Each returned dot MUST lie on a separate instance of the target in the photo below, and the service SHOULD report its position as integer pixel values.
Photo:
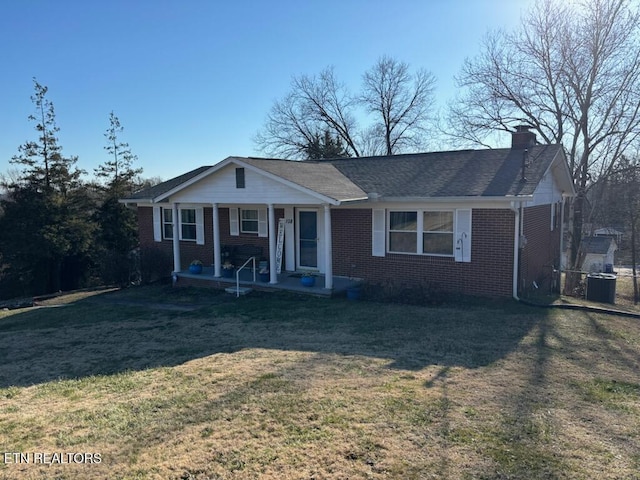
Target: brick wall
(489, 273)
(242, 238)
(541, 254)
(190, 250)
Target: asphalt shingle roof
(463, 173)
(159, 189)
(323, 178)
(597, 245)
(491, 172)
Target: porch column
(176, 238)
(217, 254)
(273, 234)
(328, 250)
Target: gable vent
(239, 177)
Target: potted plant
(227, 270)
(308, 279)
(195, 267)
(354, 292)
(263, 274)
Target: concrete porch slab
(287, 281)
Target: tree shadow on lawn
(109, 333)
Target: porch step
(241, 290)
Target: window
(403, 228)
(239, 177)
(167, 223)
(421, 232)
(188, 224)
(249, 221)
(437, 233)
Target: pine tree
(118, 173)
(118, 230)
(46, 232)
(326, 147)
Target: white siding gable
(547, 191)
(220, 187)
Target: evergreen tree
(326, 147)
(46, 233)
(118, 230)
(118, 173)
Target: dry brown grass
(280, 387)
(624, 290)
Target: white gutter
(463, 199)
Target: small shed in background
(599, 252)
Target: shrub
(116, 268)
(394, 291)
(155, 265)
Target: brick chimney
(522, 138)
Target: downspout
(561, 231)
(516, 249)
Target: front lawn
(155, 383)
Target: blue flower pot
(227, 272)
(353, 293)
(308, 281)
(196, 269)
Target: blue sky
(192, 81)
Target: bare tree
(314, 105)
(620, 194)
(398, 102)
(401, 103)
(572, 71)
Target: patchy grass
(280, 386)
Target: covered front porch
(286, 281)
(259, 204)
(294, 241)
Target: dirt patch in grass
(278, 386)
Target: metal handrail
(250, 259)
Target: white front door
(309, 238)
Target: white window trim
(452, 232)
(159, 224)
(163, 223)
(419, 231)
(195, 224)
(257, 220)
(389, 231)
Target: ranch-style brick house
(478, 222)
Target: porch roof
(322, 178)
